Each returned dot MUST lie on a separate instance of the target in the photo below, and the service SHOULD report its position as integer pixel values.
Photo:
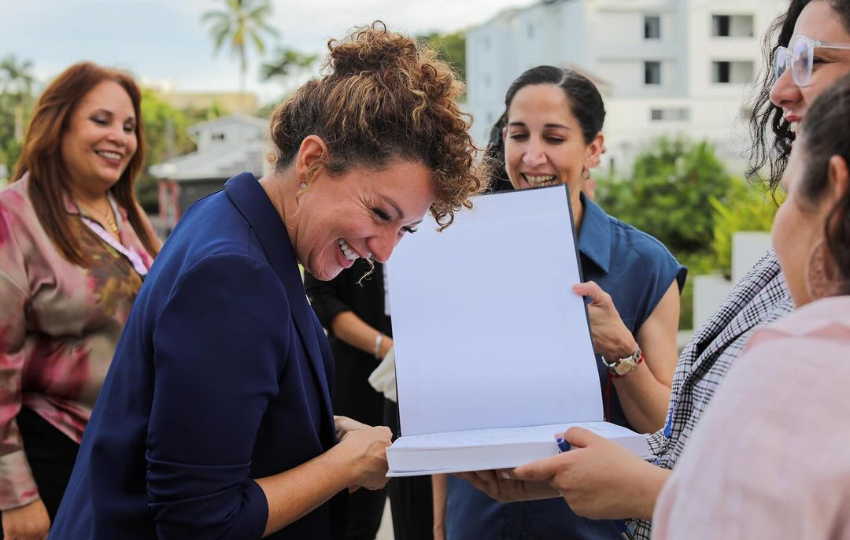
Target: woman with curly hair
(216, 420)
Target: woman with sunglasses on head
(768, 459)
(609, 482)
(551, 134)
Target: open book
(493, 349)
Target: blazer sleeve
(17, 486)
(220, 344)
(325, 299)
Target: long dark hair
(584, 100)
(771, 134)
(49, 180)
(823, 136)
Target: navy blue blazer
(221, 376)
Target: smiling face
(100, 139)
(361, 213)
(544, 144)
(819, 22)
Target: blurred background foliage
(681, 193)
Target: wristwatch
(624, 366)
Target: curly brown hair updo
(824, 134)
(384, 97)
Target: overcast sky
(163, 41)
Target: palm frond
(220, 38)
(258, 41)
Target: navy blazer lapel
(251, 200)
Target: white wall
(234, 133)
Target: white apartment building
(665, 67)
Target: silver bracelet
(378, 340)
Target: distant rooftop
(226, 146)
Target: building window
(740, 26)
(652, 73)
(720, 25)
(670, 115)
(652, 27)
(732, 72)
(721, 72)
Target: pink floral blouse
(59, 325)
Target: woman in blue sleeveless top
(551, 133)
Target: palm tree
(240, 23)
(17, 82)
(287, 65)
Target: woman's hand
(504, 487)
(598, 478)
(367, 448)
(611, 338)
(344, 424)
(28, 522)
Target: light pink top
(771, 457)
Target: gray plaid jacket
(759, 298)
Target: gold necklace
(108, 216)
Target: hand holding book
(598, 478)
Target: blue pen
(563, 446)
(624, 530)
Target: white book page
(487, 331)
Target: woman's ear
(838, 177)
(594, 151)
(312, 152)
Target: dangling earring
(819, 274)
(585, 173)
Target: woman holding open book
(215, 420)
(551, 133)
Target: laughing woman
(216, 420)
(551, 133)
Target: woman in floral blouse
(74, 249)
